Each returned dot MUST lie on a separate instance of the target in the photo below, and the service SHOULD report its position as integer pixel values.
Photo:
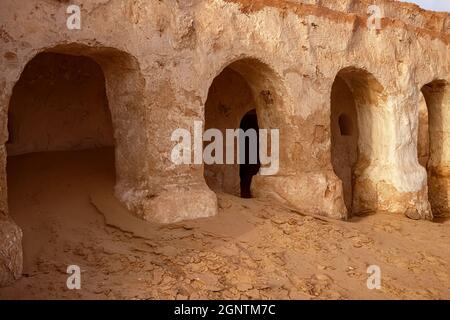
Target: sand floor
(253, 249)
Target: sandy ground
(253, 249)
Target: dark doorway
(249, 168)
(433, 141)
(61, 144)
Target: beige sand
(253, 249)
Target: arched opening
(434, 143)
(61, 143)
(423, 140)
(251, 165)
(344, 141)
(242, 97)
(354, 95)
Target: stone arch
(59, 103)
(124, 85)
(356, 131)
(243, 85)
(434, 142)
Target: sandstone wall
(159, 59)
(59, 103)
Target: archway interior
(249, 168)
(344, 136)
(233, 102)
(59, 103)
(60, 144)
(434, 143)
(356, 121)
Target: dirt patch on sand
(253, 249)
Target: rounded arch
(264, 78)
(59, 103)
(356, 133)
(124, 86)
(243, 85)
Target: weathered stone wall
(159, 59)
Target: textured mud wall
(159, 59)
(59, 103)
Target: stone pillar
(390, 177)
(437, 96)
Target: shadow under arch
(356, 135)
(124, 84)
